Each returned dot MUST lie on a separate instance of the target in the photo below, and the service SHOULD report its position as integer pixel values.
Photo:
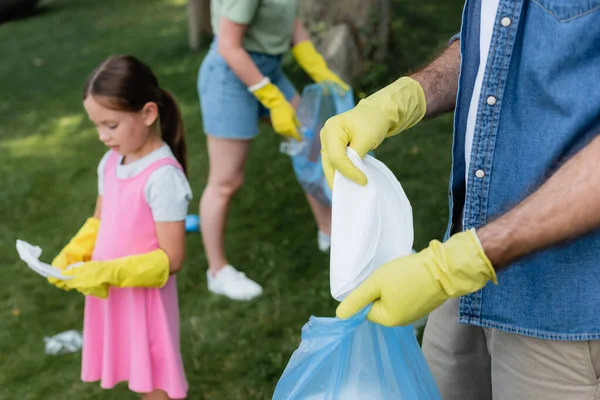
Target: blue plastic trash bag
(356, 359)
(318, 103)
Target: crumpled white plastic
(65, 342)
(31, 254)
(370, 225)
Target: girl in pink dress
(134, 244)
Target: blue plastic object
(356, 359)
(192, 223)
(318, 103)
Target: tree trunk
(383, 30)
(348, 32)
(199, 26)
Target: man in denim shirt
(516, 285)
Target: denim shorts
(229, 110)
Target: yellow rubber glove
(283, 115)
(80, 247)
(408, 288)
(149, 270)
(385, 113)
(314, 65)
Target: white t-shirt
(489, 8)
(167, 190)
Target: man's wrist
(499, 241)
(428, 79)
(439, 81)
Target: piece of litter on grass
(65, 342)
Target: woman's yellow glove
(385, 113)
(80, 247)
(149, 270)
(283, 115)
(314, 65)
(408, 288)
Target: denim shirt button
(480, 173)
(506, 22)
(491, 100)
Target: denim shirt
(539, 105)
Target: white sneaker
(324, 241)
(233, 284)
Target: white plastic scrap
(65, 342)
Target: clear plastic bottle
(291, 146)
(307, 109)
(318, 103)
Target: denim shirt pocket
(568, 10)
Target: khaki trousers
(474, 363)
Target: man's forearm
(563, 208)
(440, 81)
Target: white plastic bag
(31, 254)
(370, 226)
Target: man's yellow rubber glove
(408, 288)
(80, 247)
(385, 113)
(283, 115)
(314, 65)
(149, 270)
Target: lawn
(48, 158)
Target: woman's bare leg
(227, 159)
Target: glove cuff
(403, 102)
(263, 82)
(269, 95)
(307, 56)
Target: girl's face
(123, 131)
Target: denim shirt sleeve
(454, 39)
(539, 104)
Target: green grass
(48, 158)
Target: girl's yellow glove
(149, 270)
(80, 247)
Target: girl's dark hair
(128, 84)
